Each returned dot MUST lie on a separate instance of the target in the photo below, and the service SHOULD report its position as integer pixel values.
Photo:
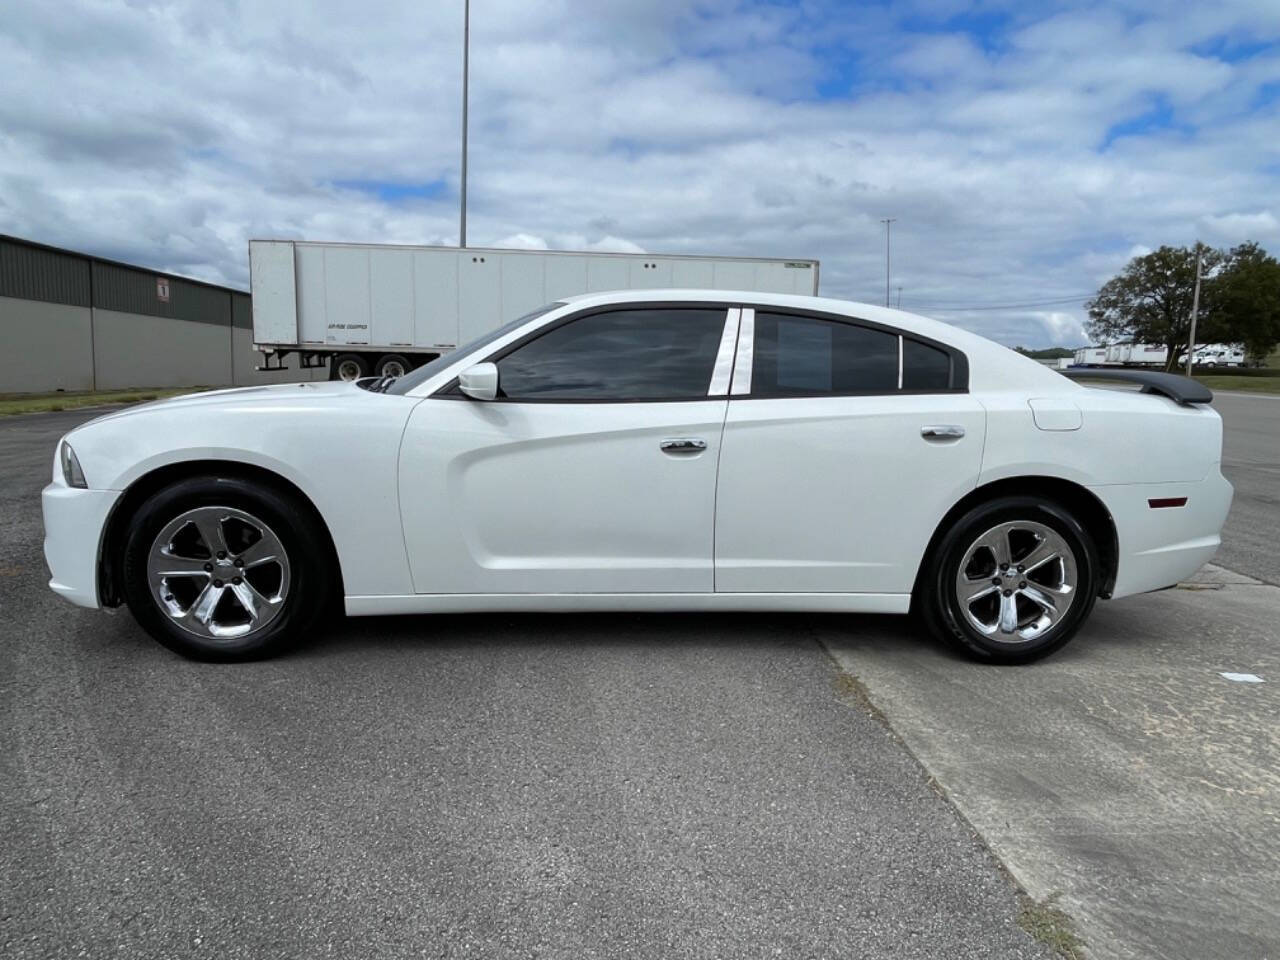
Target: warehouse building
(70, 321)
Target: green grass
(11, 403)
(1049, 925)
(1226, 381)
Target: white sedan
(649, 450)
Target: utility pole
(1195, 309)
(887, 221)
(466, 66)
(899, 298)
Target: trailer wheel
(348, 366)
(393, 365)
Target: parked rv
(1219, 355)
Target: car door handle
(942, 431)
(683, 445)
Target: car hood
(289, 392)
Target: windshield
(429, 370)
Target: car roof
(901, 319)
(991, 364)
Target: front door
(593, 472)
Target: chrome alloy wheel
(1017, 581)
(218, 572)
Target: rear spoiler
(1178, 388)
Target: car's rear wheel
(225, 569)
(1011, 581)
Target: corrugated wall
(127, 290)
(125, 330)
(35, 273)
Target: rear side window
(924, 367)
(642, 354)
(801, 356)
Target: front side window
(808, 356)
(427, 370)
(640, 354)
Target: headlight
(71, 471)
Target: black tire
(938, 603)
(393, 365)
(311, 586)
(343, 363)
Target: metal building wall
(74, 322)
(38, 273)
(44, 346)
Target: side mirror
(479, 382)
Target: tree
(1244, 300)
(1150, 300)
(1048, 353)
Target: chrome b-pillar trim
(723, 369)
(746, 347)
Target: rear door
(844, 445)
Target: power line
(1057, 301)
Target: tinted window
(620, 355)
(427, 370)
(803, 355)
(924, 367)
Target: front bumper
(74, 520)
(1163, 545)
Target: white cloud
(170, 133)
(523, 241)
(1062, 329)
(1237, 227)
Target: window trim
(451, 390)
(958, 378)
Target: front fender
(340, 452)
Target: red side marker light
(1155, 503)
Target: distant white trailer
(1091, 356)
(1135, 355)
(372, 308)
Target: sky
(1025, 150)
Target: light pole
(888, 222)
(1195, 309)
(466, 50)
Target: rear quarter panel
(1124, 437)
(1129, 448)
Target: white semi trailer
(379, 309)
(1091, 356)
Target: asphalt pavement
(1251, 461)
(509, 786)
(644, 786)
(1126, 774)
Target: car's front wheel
(1011, 581)
(225, 569)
